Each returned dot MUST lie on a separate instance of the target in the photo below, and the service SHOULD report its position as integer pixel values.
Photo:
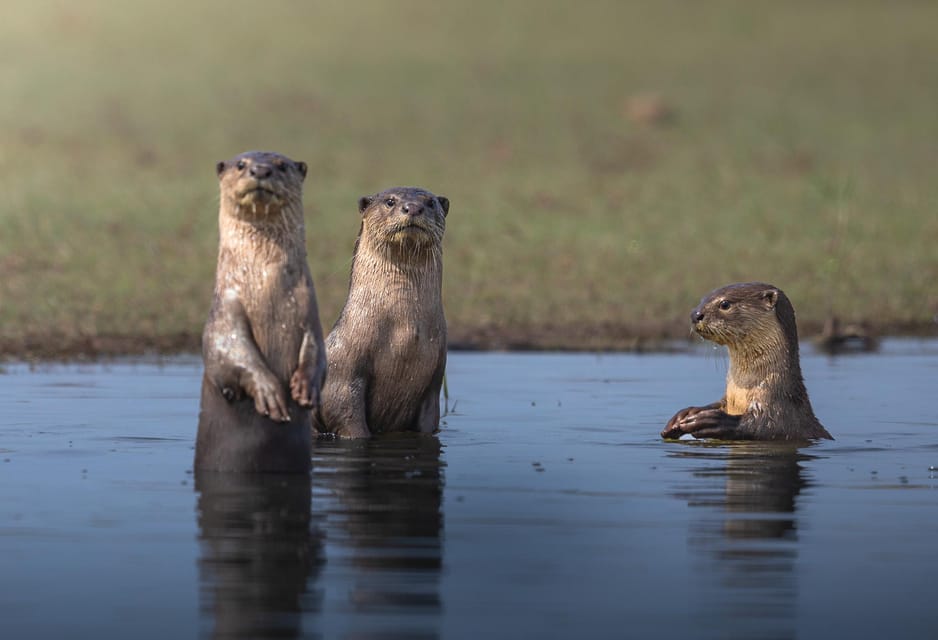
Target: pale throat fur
(767, 359)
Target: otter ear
(771, 297)
(364, 202)
(220, 168)
(444, 203)
(301, 167)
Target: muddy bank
(625, 337)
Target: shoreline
(577, 338)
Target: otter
(387, 351)
(262, 344)
(765, 394)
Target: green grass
(803, 153)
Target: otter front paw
(304, 389)
(673, 428)
(269, 399)
(703, 422)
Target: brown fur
(387, 351)
(765, 394)
(262, 344)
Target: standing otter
(765, 394)
(263, 333)
(387, 351)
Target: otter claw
(303, 389)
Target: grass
(802, 153)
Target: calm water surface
(548, 507)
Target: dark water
(548, 507)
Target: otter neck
(267, 238)
(400, 269)
(760, 364)
(253, 253)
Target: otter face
(261, 183)
(732, 314)
(404, 216)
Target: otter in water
(262, 344)
(765, 394)
(387, 351)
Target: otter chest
(742, 399)
(415, 342)
(737, 399)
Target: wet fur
(765, 394)
(387, 351)
(262, 345)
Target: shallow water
(548, 507)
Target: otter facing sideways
(387, 351)
(765, 394)
(262, 344)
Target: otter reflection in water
(748, 525)
(258, 553)
(381, 502)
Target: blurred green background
(608, 163)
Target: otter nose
(261, 170)
(412, 208)
(696, 316)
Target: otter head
(749, 313)
(260, 184)
(403, 218)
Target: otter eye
(390, 202)
(241, 165)
(725, 304)
(281, 166)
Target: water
(548, 507)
